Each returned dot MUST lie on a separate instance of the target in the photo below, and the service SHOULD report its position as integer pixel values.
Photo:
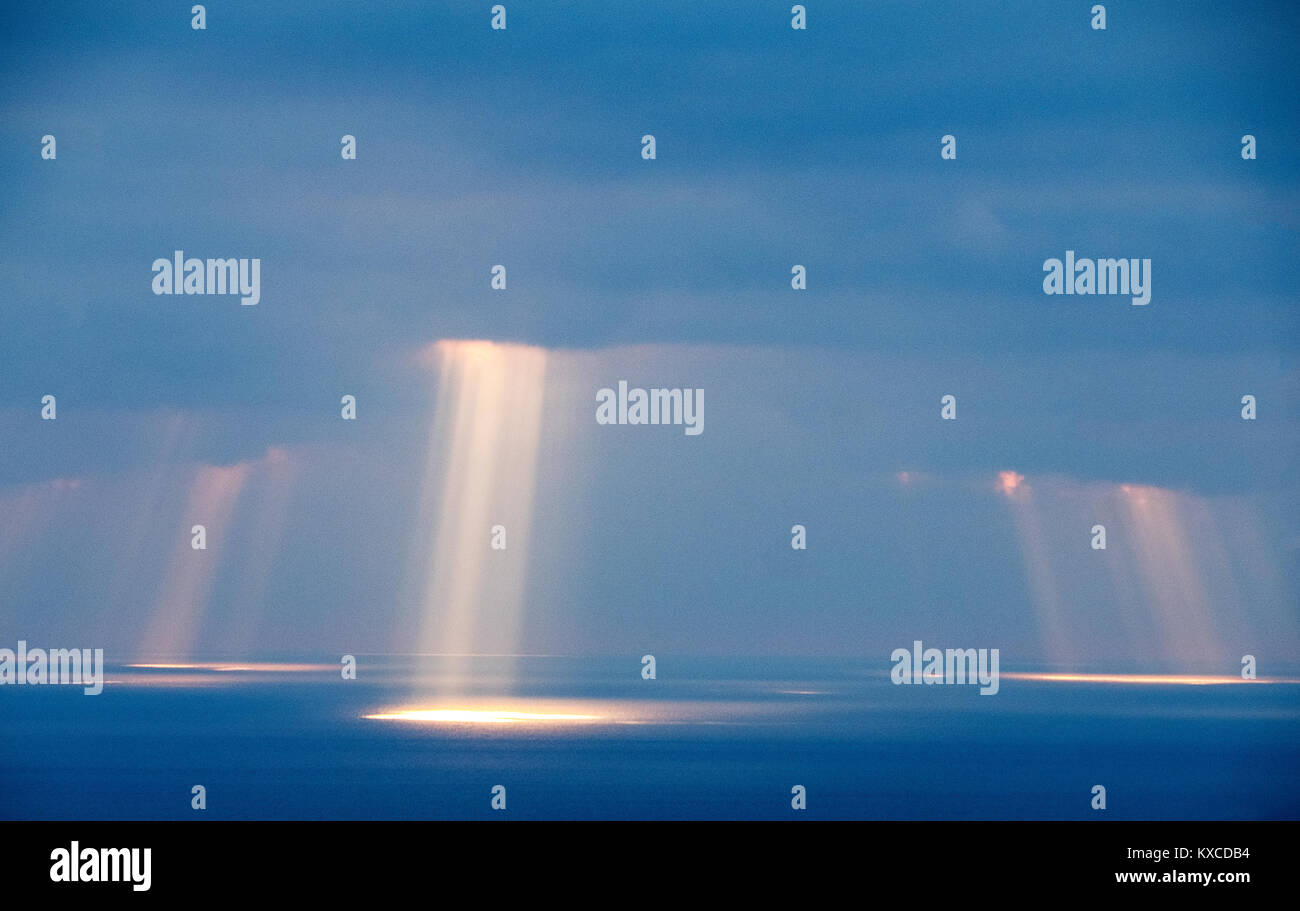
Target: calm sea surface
(710, 738)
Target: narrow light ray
(275, 476)
(182, 597)
(1038, 566)
(1170, 573)
(1171, 577)
(481, 473)
(182, 608)
(148, 493)
(1128, 602)
(28, 515)
(18, 513)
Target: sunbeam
(478, 495)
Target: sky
(775, 147)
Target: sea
(581, 738)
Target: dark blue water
(708, 739)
